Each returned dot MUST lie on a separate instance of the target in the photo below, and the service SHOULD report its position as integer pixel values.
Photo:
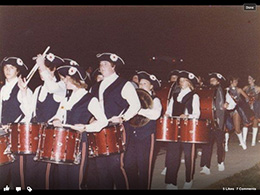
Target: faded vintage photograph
(128, 97)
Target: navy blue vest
(47, 109)
(11, 107)
(179, 107)
(114, 103)
(79, 113)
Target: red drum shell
(5, 157)
(110, 140)
(194, 131)
(24, 137)
(163, 93)
(59, 145)
(167, 129)
(207, 103)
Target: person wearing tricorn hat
(174, 88)
(134, 79)
(252, 90)
(140, 140)
(173, 76)
(185, 104)
(76, 111)
(119, 100)
(15, 98)
(45, 102)
(217, 127)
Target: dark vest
(79, 113)
(47, 109)
(186, 102)
(114, 103)
(11, 107)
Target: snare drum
(167, 129)
(5, 153)
(194, 131)
(59, 145)
(24, 137)
(110, 140)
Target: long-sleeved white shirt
(93, 107)
(195, 104)
(155, 112)
(24, 100)
(128, 93)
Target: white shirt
(93, 107)
(128, 93)
(155, 112)
(195, 104)
(24, 101)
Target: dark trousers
(18, 171)
(138, 162)
(110, 172)
(173, 161)
(35, 173)
(67, 176)
(5, 175)
(219, 137)
(91, 178)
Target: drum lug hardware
(191, 131)
(59, 144)
(8, 150)
(77, 158)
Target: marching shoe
(188, 185)
(240, 138)
(255, 131)
(205, 170)
(221, 167)
(171, 187)
(164, 171)
(226, 148)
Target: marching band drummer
(140, 140)
(217, 132)
(15, 98)
(76, 110)
(175, 88)
(252, 90)
(119, 100)
(185, 104)
(45, 103)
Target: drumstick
(34, 69)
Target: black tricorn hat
(150, 77)
(190, 76)
(111, 57)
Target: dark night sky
(225, 39)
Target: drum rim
(1, 164)
(61, 128)
(27, 123)
(61, 162)
(3, 133)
